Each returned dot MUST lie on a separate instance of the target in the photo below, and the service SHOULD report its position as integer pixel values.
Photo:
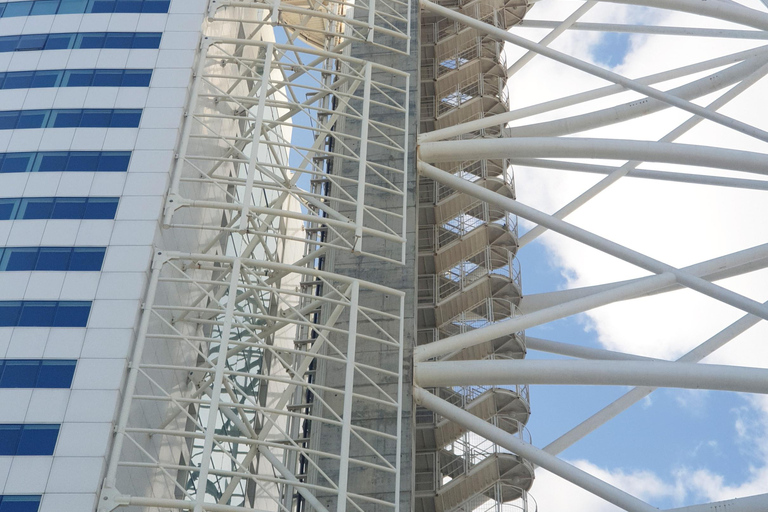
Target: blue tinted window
(8, 43)
(83, 161)
(8, 208)
(101, 208)
(65, 161)
(80, 41)
(16, 503)
(9, 439)
(136, 78)
(17, 9)
(19, 80)
(20, 374)
(107, 78)
(43, 7)
(17, 162)
(94, 118)
(73, 6)
(44, 313)
(87, 259)
(68, 208)
(9, 313)
(32, 119)
(31, 42)
(52, 161)
(147, 40)
(46, 79)
(38, 440)
(80, 259)
(118, 40)
(126, 118)
(128, 5)
(35, 208)
(156, 6)
(9, 119)
(91, 40)
(19, 258)
(60, 208)
(37, 314)
(72, 314)
(56, 374)
(54, 258)
(70, 118)
(66, 118)
(60, 41)
(102, 6)
(114, 161)
(78, 78)
(29, 439)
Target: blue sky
(677, 447)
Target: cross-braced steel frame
(252, 385)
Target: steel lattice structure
(338, 319)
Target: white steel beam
(749, 66)
(722, 267)
(601, 72)
(568, 349)
(559, 28)
(634, 109)
(726, 11)
(649, 29)
(592, 373)
(636, 394)
(614, 149)
(648, 174)
(758, 503)
(549, 462)
(588, 238)
(583, 97)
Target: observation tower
(262, 255)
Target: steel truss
(563, 134)
(222, 395)
(275, 175)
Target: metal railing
(481, 85)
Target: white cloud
(675, 223)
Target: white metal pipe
(593, 240)
(110, 481)
(210, 427)
(582, 97)
(349, 383)
(597, 70)
(567, 349)
(592, 373)
(634, 109)
(636, 394)
(749, 66)
(758, 503)
(727, 11)
(649, 29)
(559, 28)
(614, 149)
(254, 157)
(519, 323)
(362, 168)
(722, 267)
(648, 174)
(549, 462)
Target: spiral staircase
(468, 274)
